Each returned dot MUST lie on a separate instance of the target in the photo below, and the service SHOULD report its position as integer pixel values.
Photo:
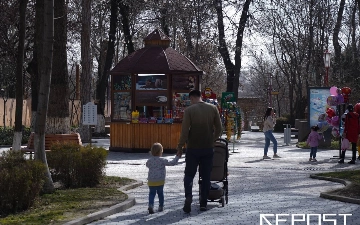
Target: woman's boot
(342, 157)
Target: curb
(336, 197)
(109, 211)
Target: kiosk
(149, 94)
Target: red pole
(326, 81)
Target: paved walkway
(280, 186)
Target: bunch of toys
(331, 117)
(232, 120)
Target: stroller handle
(222, 140)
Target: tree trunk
(337, 47)
(124, 11)
(33, 68)
(223, 49)
(58, 117)
(85, 78)
(358, 6)
(232, 70)
(164, 19)
(19, 78)
(238, 48)
(103, 80)
(45, 52)
(100, 127)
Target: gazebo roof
(156, 57)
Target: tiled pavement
(279, 186)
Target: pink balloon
(333, 91)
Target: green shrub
(76, 166)
(279, 126)
(7, 135)
(93, 162)
(21, 181)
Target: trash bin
(287, 134)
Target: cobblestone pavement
(256, 186)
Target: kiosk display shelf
(149, 90)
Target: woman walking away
(351, 132)
(269, 123)
(313, 142)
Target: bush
(76, 166)
(21, 181)
(279, 126)
(7, 135)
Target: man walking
(201, 126)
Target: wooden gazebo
(153, 81)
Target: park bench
(51, 139)
(295, 132)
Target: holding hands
(179, 152)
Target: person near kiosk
(201, 126)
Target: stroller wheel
(222, 201)
(226, 199)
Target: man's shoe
(151, 210)
(276, 156)
(351, 162)
(203, 208)
(341, 161)
(310, 159)
(314, 160)
(161, 208)
(187, 205)
(266, 157)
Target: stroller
(219, 174)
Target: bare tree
(33, 67)
(232, 69)
(19, 77)
(104, 74)
(337, 47)
(58, 120)
(45, 52)
(86, 64)
(124, 9)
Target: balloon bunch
(322, 123)
(337, 96)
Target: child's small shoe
(314, 160)
(161, 208)
(151, 210)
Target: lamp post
(327, 56)
(270, 89)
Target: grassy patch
(334, 145)
(352, 190)
(68, 204)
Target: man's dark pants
(194, 157)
